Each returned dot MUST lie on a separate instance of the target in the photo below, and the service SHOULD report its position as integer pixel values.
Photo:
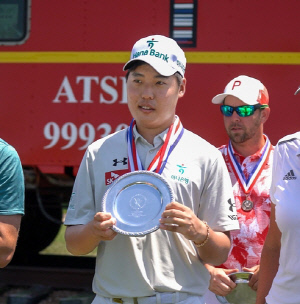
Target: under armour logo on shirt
(116, 161)
(231, 205)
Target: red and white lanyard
(248, 184)
(157, 165)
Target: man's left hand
(179, 218)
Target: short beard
(238, 138)
(247, 134)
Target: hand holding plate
(179, 218)
(220, 283)
(101, 226)
(242, 293)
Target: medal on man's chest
(247, 205)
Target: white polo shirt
(162, 261)
(285, 194)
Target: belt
(159, 298)
(122, 300)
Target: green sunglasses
(242, 111)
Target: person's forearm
(6, 253)
(9, 231)
(269, 259)
(268, 269)
(215, 251)
(80, 240)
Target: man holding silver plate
(248, 156)
(154, 198)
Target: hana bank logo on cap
(162, 53)
(249, 90)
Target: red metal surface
(31, 116)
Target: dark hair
(132, 66)
(135, 64)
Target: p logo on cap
(249, 90)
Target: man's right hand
(101, 226)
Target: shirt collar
(158, 139)
(254, 156)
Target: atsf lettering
(85, 89)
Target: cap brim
(298, 91)
(162, 69)
(218, 99)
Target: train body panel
(64, 87)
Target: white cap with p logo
(249, 90)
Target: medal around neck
(136, 200)
(242, 293)
(247, 205)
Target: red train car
(62, 84)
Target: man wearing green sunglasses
(248, 156)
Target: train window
(183, 22)
(14, 21)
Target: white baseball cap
(249, 90)
(162, 53)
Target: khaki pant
(159, 298)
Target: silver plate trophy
(137, 200)
(242, 294)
